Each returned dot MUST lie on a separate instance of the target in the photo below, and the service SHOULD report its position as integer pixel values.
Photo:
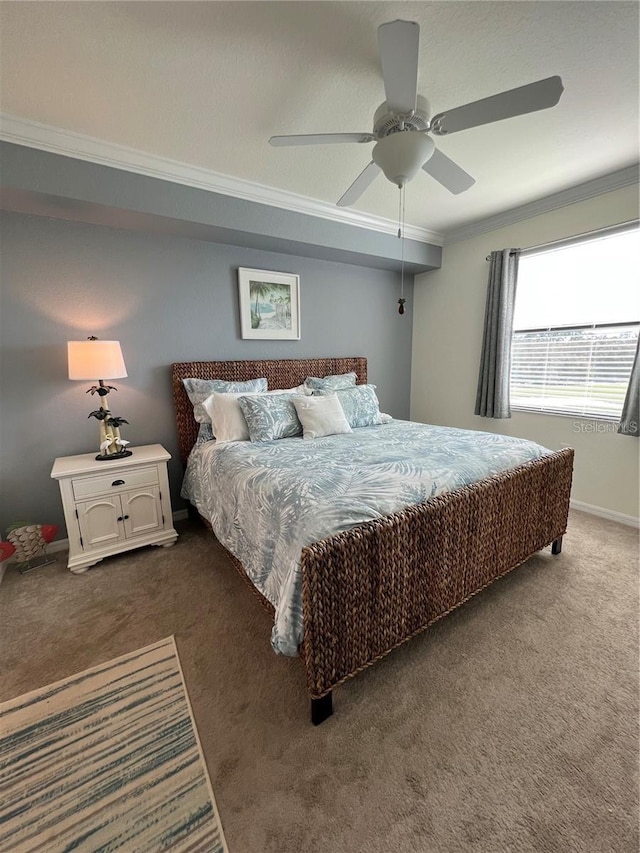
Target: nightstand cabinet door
(100, 521)
(142, 511)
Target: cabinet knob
(120, 518)
(126, 517)
(118, 483)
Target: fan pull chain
(401, 216)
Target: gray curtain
(492, 400)
(630, 420)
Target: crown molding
(55, 140)
(598, 186)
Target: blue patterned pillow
(330, 383)
(360, 405)
(270, 416)
(199, 389)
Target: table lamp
(88, 360)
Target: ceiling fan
(402, 124)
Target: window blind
(573, 370)
(576, 322)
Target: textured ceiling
(208, 83)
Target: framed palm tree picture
(269, 305)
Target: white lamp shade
(95, 360)
(402, 155)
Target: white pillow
(227, 420)
(320, 416)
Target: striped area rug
(108, 760)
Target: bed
(370, 588)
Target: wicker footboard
(371, 588)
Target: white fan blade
(399, 42)
(515, 102)
(364, 179)
(321, 139)
(448, 173)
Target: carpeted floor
(510, 726)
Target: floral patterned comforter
(267, 500)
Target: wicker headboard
(280, 373)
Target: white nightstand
(111, 507)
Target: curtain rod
(567, 241)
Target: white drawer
(86, 487)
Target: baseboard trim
(63, 544)
(610, 514)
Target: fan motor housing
(386, 123)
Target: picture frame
(269, 305)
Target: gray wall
(46, 184)
(165, 300)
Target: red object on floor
(48, 532)
(6, 550)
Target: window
(576, 323)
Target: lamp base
(119, 455)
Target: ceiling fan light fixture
(402, 122)
(402, 155)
